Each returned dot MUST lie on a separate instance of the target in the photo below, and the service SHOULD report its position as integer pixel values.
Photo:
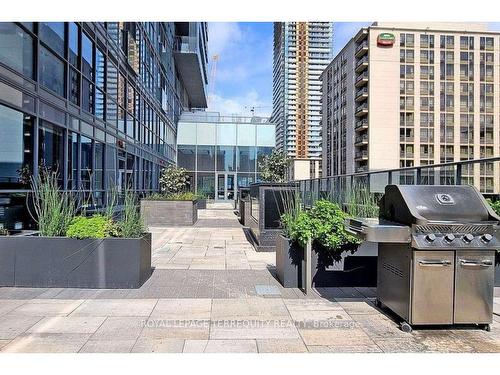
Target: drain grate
(267, 290)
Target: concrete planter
(345, 269)
(61, 262)
(158, 213)
(289, 262)
(202, 204)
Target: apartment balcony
(406, 155)
(361, 140)
(189, 62)
(486, 169)
(361, 110)
(409, 139)
(362, 168)
(362, 64)
(361, 155)
(361, 125)
(362, 49)
(362, 79)
(361, 94)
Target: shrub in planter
(97, 226)
(495, 205)
(174, 180)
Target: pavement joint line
(140, 333)
(85, 343)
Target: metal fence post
(419, 176)
(389, 178)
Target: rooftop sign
(385, 39)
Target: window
(16, 153)
(72, 161)
(87, 95)
(87, 57)
(246, 159)
(50, 148)
(74, 86)
(51, 72)
(100, 63)
(86, 162)
(52, 34)
(226, 158)
(99, 166)
(206, 158)
(16, 48)
(186, 157)
(74, 50)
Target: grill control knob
(449, 237)
(431, 237)
(468, 238)
(487, 238)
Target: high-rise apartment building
(408, 94)
(98, 103)
(302, 50)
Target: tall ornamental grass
(53, 208)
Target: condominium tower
(408, 94)
(302, 50)
(96, 102)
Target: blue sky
(244, 74)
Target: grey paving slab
(115, 307)
(120, 328)
(13, 325)
(47, 307)
(67, 324)
(182, 309)
(337, 337)
(159, 345)
(373, 348)
(249, 308)
(160, 329)
(108, 346)
(281, 346)
(4, 343)
(231, 346)
(47, 343)
(7, 305)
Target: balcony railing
(336, 187)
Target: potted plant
(174, 205)
(73, 250)
(323, 224)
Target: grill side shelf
(375, 230)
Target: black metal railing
(453, 173)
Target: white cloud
(223, 36)
(241, 105)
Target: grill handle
(434, 263)
(469, 263)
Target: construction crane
(252, 108)
(211, 83)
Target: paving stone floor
(211, 292)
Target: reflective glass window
(51, 71)
(246, 135)
(226, 158)
(226, 134)
(16, 140)
(16, 48)
(186, 157)
(87, 56)
(246, 159)
(74, 50)
(86, 162)
(206, 158)
(52, 34)
(50, 148)
(100, 67)
(206, 134)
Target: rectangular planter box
(61, 262)
(202, 204)
(156, 213)
(289, 262)
(328, 270)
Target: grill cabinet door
(432, 294)
(474, 286)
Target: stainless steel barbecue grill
(436, 254)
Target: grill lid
(427, 204)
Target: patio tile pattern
(210, 292)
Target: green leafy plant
(323, 223)
(174, 180)
(495, 205)
(97, 226)
(4, 232)
(274, 167)
(53, 209)
(328, 226)
(181, 196)
(131, 224)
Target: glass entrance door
(226, 186)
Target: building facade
(97, 103)
(223, 153)
(302, 50)
(403, 95)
